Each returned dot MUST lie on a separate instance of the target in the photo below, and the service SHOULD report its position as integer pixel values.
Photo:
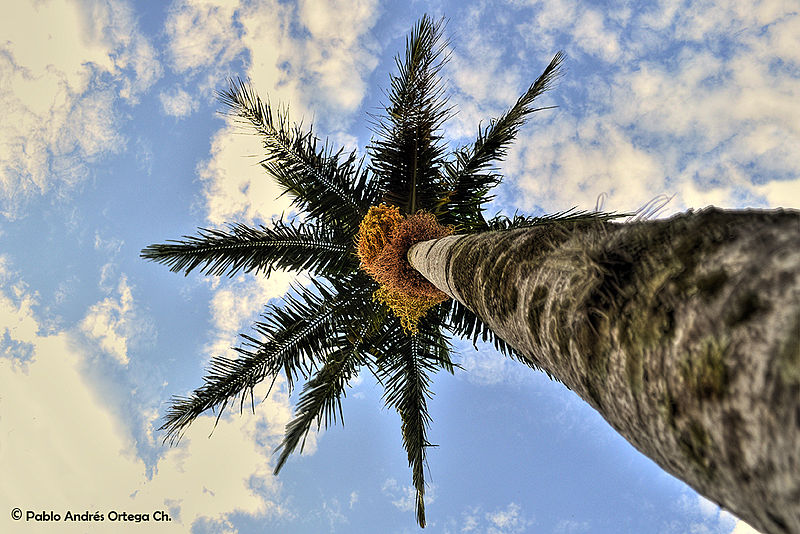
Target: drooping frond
(329, 186)
(407, 154)
(295, 334)
(295, 339)
(405, 369)
(472, 175)
(316, 248)
(321, 398)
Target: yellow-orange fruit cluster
(408, 308)
(384, 238)
(374, 233)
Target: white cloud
(177, 103)
(716, 123)
(202, 33)
(781, 192)
(593, 37)
(236, 188)
(323, 67)
(508, 520)
(598, 158)
(404, 497)
(708, 517)
(487, 367)
(333, 513)
(236, 302)
(743, 528)
(114, 322)
(63, 449)
(63, 64)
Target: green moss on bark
(704, 371)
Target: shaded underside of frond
(320, 402)
(405, 369)
(566, 218)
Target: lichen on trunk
(683, 333)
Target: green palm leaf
(319, 249)
(408, 152)
(294, 340)
(405, 369)
(570, 216)
(328, 186)
(472, 175)
(320, 400)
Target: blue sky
(111, 140)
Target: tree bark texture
(683, 333)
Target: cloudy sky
(110, 140)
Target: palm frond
(405, 367)
(329, 186)
(296, 338)
(321, 398)
(471, 175)
(572, 215)
(317, 248)
(408, 151)
(295, 334)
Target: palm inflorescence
(324, 333)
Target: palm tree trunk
(683, 333)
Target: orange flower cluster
(384, 238)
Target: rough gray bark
(683, 333)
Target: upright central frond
(408, 153)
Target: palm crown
(326, 332)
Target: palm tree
(682, 333)
(327, 332)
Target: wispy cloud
(235, 303)
(509, 520)
(56, 62)
(404, 497)
(177, 102)
(704, 515)
(115, 322)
